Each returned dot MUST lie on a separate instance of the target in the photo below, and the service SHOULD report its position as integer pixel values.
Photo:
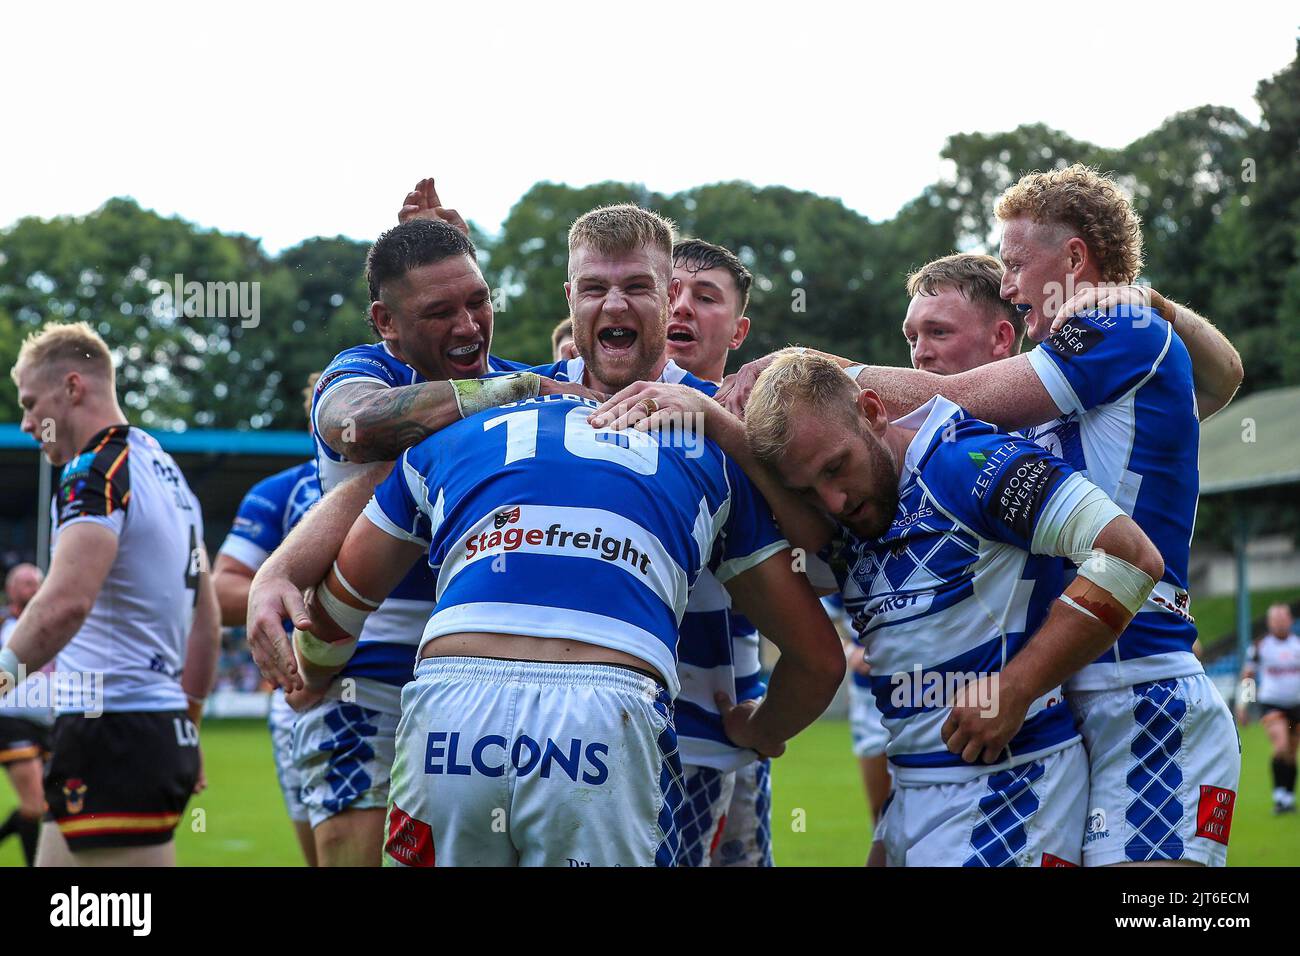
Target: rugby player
(956, 317)
(24, 730)
(432, 311)
(1274, 664)
(128, 601)
(708, 292)
(963, 609)
(265, 516)
(538, 730)
(1115, 394)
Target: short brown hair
(794, 378)
(696, 255)
(1090, 204)
(563, 330)
(73, 344)
(977, 277)
(613, 230)
(307, 393)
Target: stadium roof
(211, 441)
(1253, 443)
(219, 465)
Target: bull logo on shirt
(503, 518)
(74, 794)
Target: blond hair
(1091, 205)
(795, 378)
(61, 344)
(615, 230)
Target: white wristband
(349, 618)
(853, 371)
(474, 395)
(323, 653)
(353, 591)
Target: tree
(234, 355)
(984, 164)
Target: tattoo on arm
(378, 424)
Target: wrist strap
(323, 653)
(474, 395)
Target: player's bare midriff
(523, 647)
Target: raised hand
(422, 202)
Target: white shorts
(703, 811)
(344, 754)
(516, 763)
(1166, 761)
(870, 738)
(281, 721)
(1030, 815)
(747, 830)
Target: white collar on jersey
(415, 374)
(672, 373)
(927, 420)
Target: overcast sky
(252, 118)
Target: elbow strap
(1110, 590)
(349, 618)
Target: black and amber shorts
(120, 779)
(22, 739)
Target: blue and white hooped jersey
(538, 524)
(707, 652)
(268, 513)
(958, 585)
(385, 657)
(1123, 382)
